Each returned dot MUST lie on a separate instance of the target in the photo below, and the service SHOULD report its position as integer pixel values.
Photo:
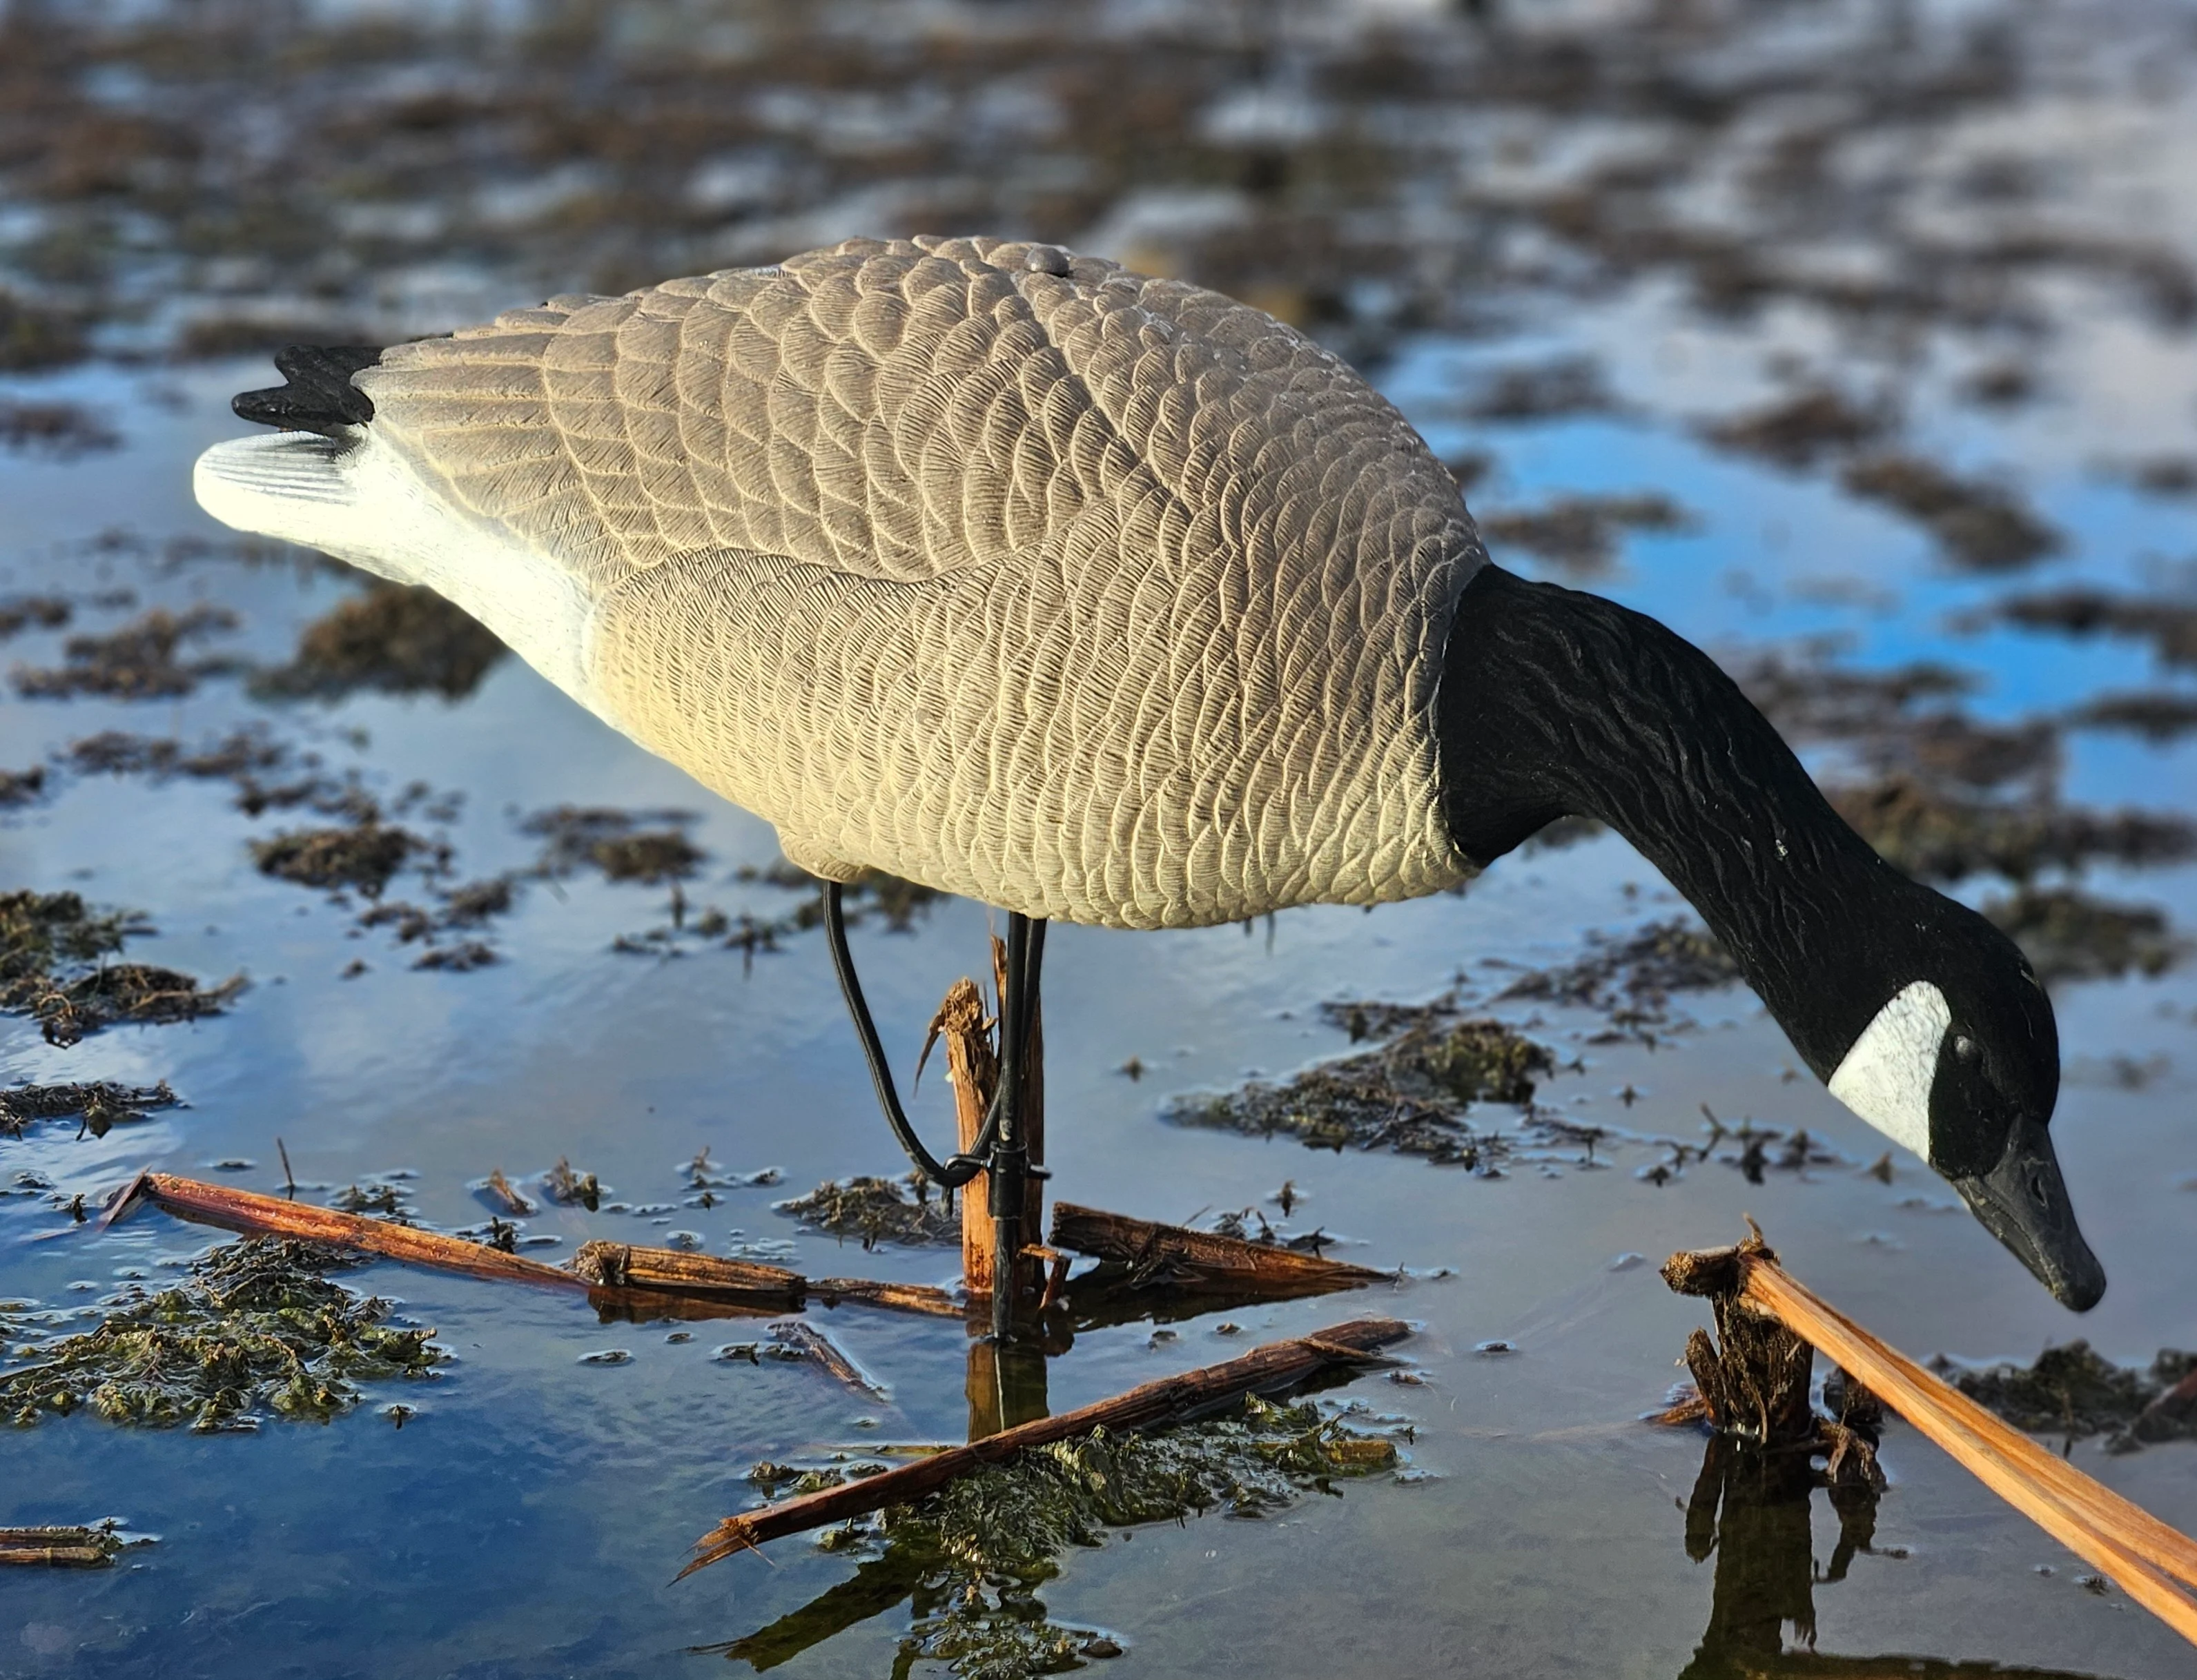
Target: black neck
(1554, 703)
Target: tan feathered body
(1096, 597)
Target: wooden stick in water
(597, 1266)
(1172, 1256)
(2120, 1539)
(2144, 1555)
(272, 1216)
(1279, 1364)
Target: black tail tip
(319, 395)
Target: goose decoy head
(1964, 1069)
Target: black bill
(2023, 1201)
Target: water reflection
(1753, 1511)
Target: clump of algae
(54, 967)
(1407, 1096)
(973, 1555)
(254, 1325)
(876, 1210)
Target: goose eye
(1965, 1048)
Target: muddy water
(528, 1518)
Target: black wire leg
(1002, 1145)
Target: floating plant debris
(2170, 625)
(975, 1555)
(1982, 526)
(1578, 533)
(254, 1326)
(1798, 430)
(97, 1108)
(876, 1210)
(562, 1185)
(1630, 979)
(617, 843)
(67, 1546)
(364, 855)
(43, 612)
(2075, 1392)
(64, 431)
(395, 639)
(1408, 1096)
(116, 752)
(21, 787)
(871, 892)
(1539, 391)
(1938, 835)
(2067, 934)
(54, 967)
(137, 661)
(34, 337)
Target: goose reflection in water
(1752, 1510)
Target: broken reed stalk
(972, 1067)
(812, 1343)
(1277, 1365)
(596, 1266)
(1172, 1256)
(2119, 1539)
(66, 1548)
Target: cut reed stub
(2154, 1564)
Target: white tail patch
(1886, 1076)
(363, 501)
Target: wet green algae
(973, 1556)
(874, 1210)
(54, 967)
(252, 1326)
(1432, 1063)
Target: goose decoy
(1107, 598)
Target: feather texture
(1094, 596)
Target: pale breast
(1096, 596)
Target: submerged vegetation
(974, 1555)
(254, 1326)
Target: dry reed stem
(1277, 1365)
(1174, 1256)
(598, 1266)
(2120, 1539)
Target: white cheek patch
(1886, 1076)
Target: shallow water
(529, 1518)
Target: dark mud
(139, 661)
(19, 613)
(97, 1108)
(907, 1211)
(393, 639)
(254, 1327)
(974, 1555)
(54, 967)
(18, 788)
